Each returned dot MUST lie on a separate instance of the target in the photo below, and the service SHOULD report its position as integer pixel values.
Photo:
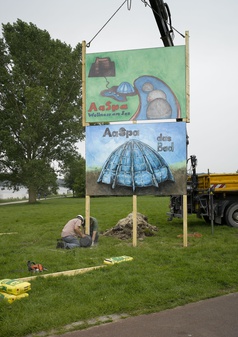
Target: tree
(40, 105)
(74, 175)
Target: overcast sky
(213, 30)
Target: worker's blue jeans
(71, 241)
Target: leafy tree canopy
(40, 105)
(74, 175)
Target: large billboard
(136, 159)
(136, 85)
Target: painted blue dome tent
(135, 164)
(125, 88)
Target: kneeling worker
(72, 231)
(94, 230)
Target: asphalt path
(216, 317)
(13, 202)
(26, 200)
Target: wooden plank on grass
(62, 273)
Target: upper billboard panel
(136, 85)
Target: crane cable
(128, 7)
(168, 23)
(129, 4)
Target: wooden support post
(87, 214)
(83, 83)
(134, 220)
(185, 221)
(187, 77)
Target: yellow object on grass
(14, 287)
(11, 298)
(118, 259)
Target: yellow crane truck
(213, 197)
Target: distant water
(23, 193)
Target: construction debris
(124, 228)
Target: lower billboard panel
(136, 159)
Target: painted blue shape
(135, 164)
(146, 86)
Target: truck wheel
(206, 218)
(232, 215)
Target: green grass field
(162, 275)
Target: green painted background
(168, 64)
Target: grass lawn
(162, 275)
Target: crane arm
(163, 19)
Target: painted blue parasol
(135, 164)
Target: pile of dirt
(124, 228)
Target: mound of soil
(124, 228)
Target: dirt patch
(124, 228)
(192, 235)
